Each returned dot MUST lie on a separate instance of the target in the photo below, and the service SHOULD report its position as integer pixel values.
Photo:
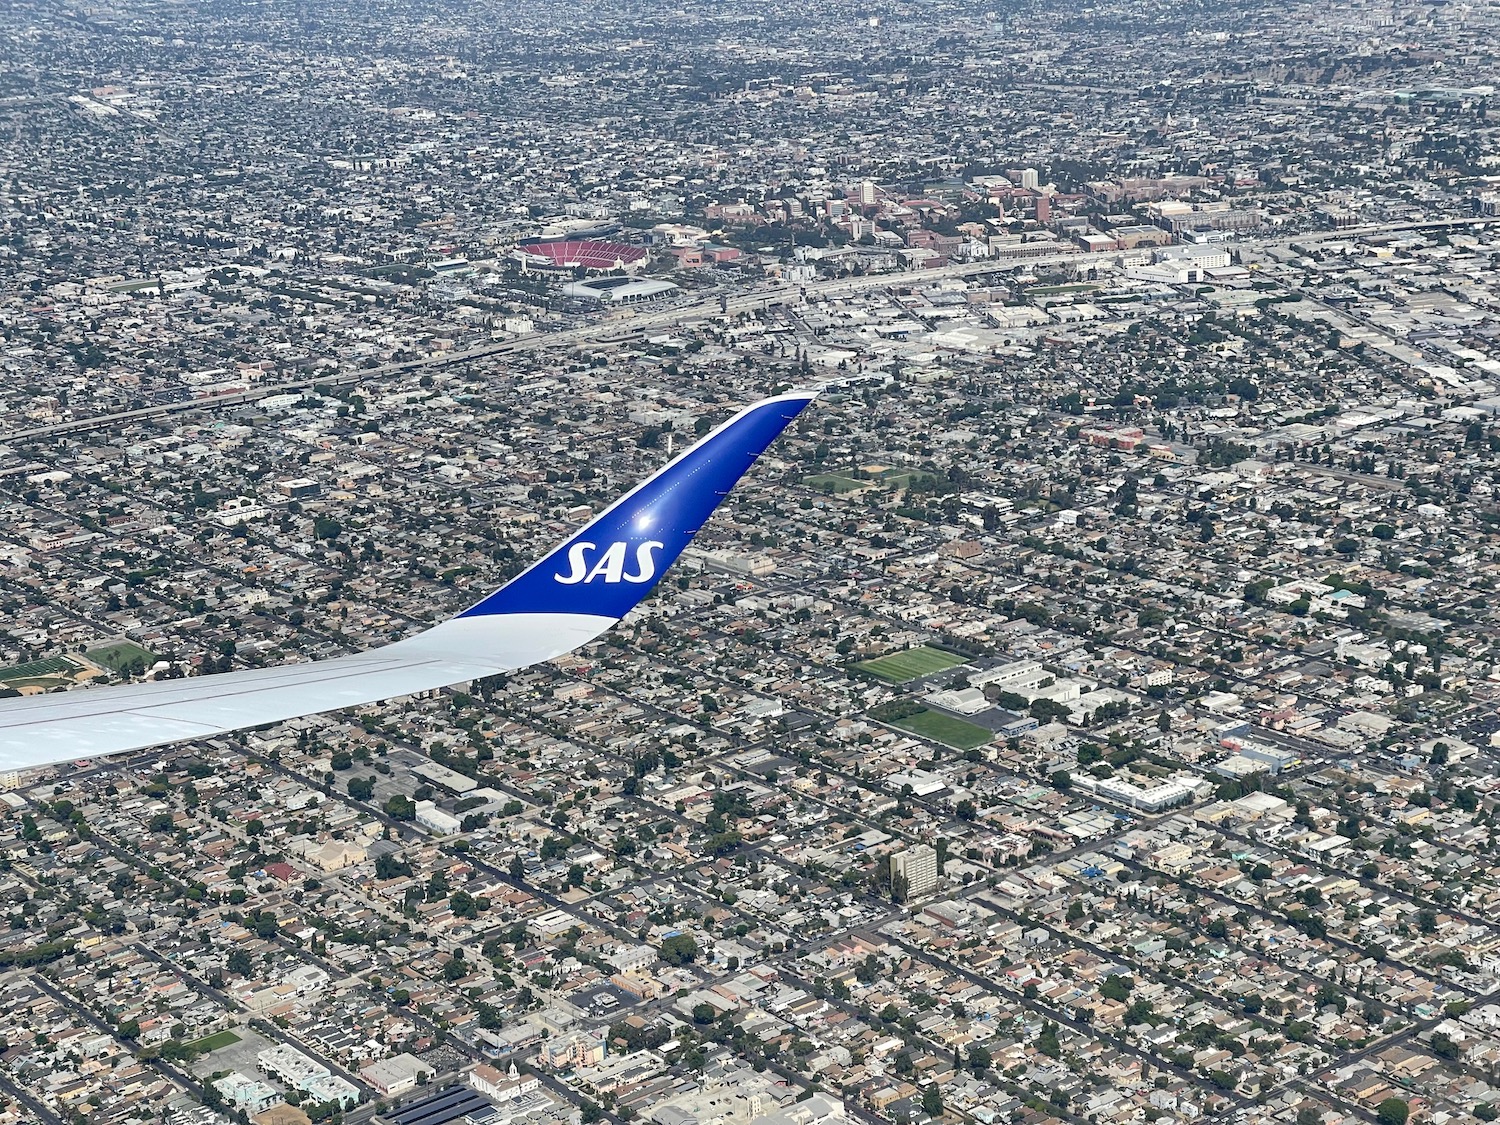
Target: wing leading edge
(573, 594)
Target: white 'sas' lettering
(610, 565)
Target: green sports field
(899, 667)
(945, 729)
(38, 671)
(118, 654)
(215, 1041)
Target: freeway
(601, 331)
(616, 331)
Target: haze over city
(1083, 712)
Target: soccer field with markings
(899, 667)
(945, 729)
(40, 672)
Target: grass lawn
(945, 729)
(839, 481)
(115, 656)
(46, 668)
(214, 1042)
(899, 667)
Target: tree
(517, 869)
(401, 807)
(490, 1017)
(679, 949)
(1047, 1042)
(391, 866)
(1444, 1047)
(1392, 1111)
(900, 888)
(932, 1100)
(722, 843)
(362, 788)
(1046, 710)
(979, 1060)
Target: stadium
(591, 254)
(619, 290)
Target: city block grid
(1085, 713)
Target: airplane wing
(572, 595)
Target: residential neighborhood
(1084, 713)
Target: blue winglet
(617, 559)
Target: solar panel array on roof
(442, 1107)
(612, 282)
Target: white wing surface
(572, 595)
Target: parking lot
(236, 1056)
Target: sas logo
(610, 565)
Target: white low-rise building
(503, 1087)
(394, 1075)
(434, 819)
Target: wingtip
(628, 546)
